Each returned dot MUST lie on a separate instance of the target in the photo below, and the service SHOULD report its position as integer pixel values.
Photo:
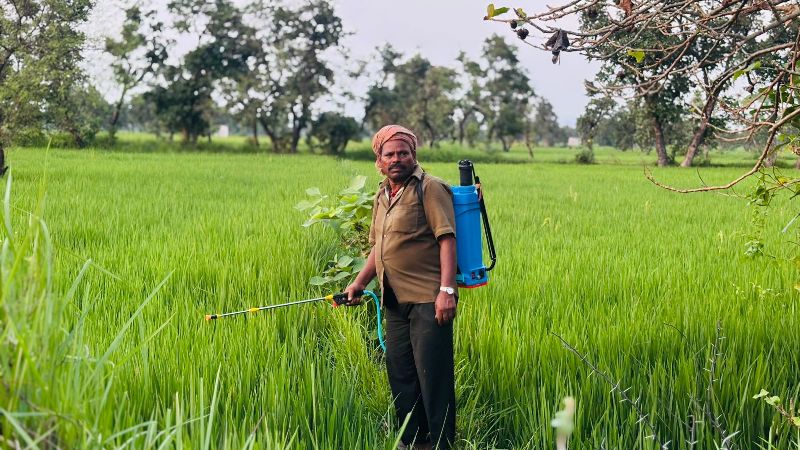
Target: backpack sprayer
(335, 299)
(470, 209)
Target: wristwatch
(449, 290)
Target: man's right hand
(353, 299)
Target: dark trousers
(419, 361)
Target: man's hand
(353, 299)
(445, 307)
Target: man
(414, 257)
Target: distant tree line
(265, 69)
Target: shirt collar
(417, 173)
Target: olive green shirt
(404, 236)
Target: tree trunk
(700, 134)
(273, 138)
(112, 124)
(461, 124)
(298, 124)
(661, 148)
(255, 131)
(489, 137)
(3, 167)
(431, 132)
(529, 139)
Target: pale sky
(437, 29)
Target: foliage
(184, 102)
(545, 125)
(138, 53)
(509, 92)
(293, 71)
(79, 109)
(235, 243)
(415, 93)
(350, 216)
(790, 415)
(585, 156)
(334, 131)
(39, 74)
(617, 127)
(653, 56)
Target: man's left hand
(445, 307)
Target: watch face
(448, 290)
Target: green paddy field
(114, 258)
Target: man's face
(397, 161)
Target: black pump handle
(466, 170)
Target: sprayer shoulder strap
(421, 191)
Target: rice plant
(111, 260)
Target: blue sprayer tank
(470, 212)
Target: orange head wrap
(394, 132)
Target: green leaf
(358, 182)
(796, 421)
(341, 276)
(749, 68)
(761, 394)
(317, 281)
(520, 13)
(637, 53)
(313, 191)
(306, 204)
(772, 401)
(344, 261)
(491, 11)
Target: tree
(140, 115)
(138, 52)
(659, 45)
(618, 128)
(334, 131)
(626, 74)
(383, 105)
(76, 107)
(594, 115)
(292, 72)
(415, 93)
(545, 124)
(471, 101)
(425, 92)
(38, 39)
(508, 92)
(184, 101)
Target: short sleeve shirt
(404, 235)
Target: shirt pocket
(404, 219)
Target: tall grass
(114, 352)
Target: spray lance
(335, 299)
